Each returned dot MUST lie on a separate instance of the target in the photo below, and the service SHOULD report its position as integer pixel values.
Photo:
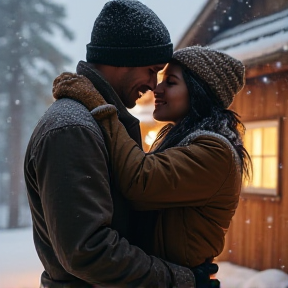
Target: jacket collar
(130, 122)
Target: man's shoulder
(65, 113)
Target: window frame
(260, 191)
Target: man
(81, 222)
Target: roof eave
(195, 31)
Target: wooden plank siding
(258, 235)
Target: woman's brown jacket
(205, 176)
(195, 187)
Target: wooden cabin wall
(258, 235)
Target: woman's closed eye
(170, 82)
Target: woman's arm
(179, 176)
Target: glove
(77, 87)
(214, 283)
(202, 274)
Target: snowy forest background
(29, 61)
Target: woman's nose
(159, 88)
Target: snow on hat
(129, 34)
(224, 74)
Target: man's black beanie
(129, 34)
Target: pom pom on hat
(224, 74)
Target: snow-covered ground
(19, 263)
(21, 268)
(234, 276)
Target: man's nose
(153, 81)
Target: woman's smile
(159, 102)
(171, 96)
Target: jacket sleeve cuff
(103, 111)
(182, 277)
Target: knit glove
(202, 275)
(77, 87)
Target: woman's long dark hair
(207, 113)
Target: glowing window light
(261, 142)
(257, 175)
(150, 137)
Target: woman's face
(171, 96)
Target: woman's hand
(202, 274)
(77, 87)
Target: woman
(193, 174)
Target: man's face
(132, 82)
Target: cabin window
(262, 143)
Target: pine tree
(29, 63)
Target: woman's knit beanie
(224, 74)
(129, 34)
